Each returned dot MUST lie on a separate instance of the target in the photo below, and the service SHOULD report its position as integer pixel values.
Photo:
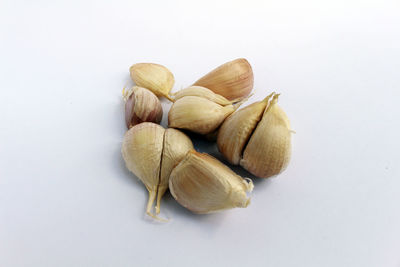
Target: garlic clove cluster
(141, 105)
(150, 152)
(154, 77)
(198, 114)
(233, 80)
(258, 137)
(203, 92)
(203, 184)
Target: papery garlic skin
(197, 114)
(237, 129)
(203, 184)
(142, 150)
(142, 106)
(154, 77)
(269, 149)
(203, 92)
(257, 137)
(176, 145)
(233, 80)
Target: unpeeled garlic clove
(141, 106)
(258, 137)
(142, 150)
(268, 151)
(198, 114)
(154, 77)
(233, 80)
(237, 129)
(203, 184)
(204, 93)
(176, 145)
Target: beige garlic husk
(233, 80)
(154, 77)
(151, 152)
(198, 114)
(176, 145)
(203, 184)
(257, 137)
(141, 105)
(203, 92)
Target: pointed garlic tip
(154, 77)
(176, 145)
(203, 92)
(142, 150)
(197, 114)
(232, 80)
(241, 102)
(141, 105)
(203, 184)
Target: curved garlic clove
(142, 106)
(233, 80)
(203, 184)
(205, 93)
(237, 129)
(154, 77)
(197, 114)
(142, 150)
(268, 151)
(176, 145)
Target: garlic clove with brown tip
(198, 114)
(141, 105)
(142, 150)
(205, 93)
(233, 80)
(176, 145)
(237, 129)
(268, 151)
(203, 184)
(154, 77)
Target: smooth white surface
(66, 198)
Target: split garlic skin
(203, 184)
(141, 105)
(142, 150)
(237, 129)
(268, 151)
(258, 137)
(151, 152)
(176, 145)
(198, 114)
(203, 92)
(154, 77)
(233, 80)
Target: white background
(66, 198)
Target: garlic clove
(203, 184)
(268, 151)
(237, 129)
(154, 77)
(176, 145)
(198, 114)
(142, 149)
(233, 80)
(141, 106)
(205, 93)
